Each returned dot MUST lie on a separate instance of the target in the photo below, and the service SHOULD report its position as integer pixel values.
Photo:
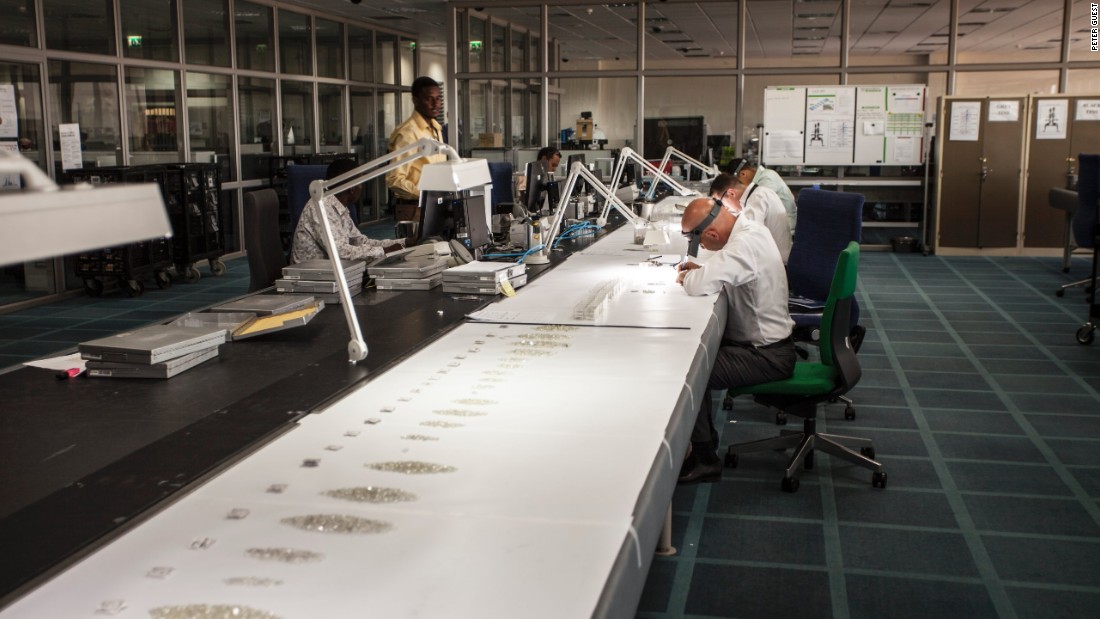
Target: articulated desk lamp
(455, 174)
(709, 171)
(628, 153)
(43, 220)
(579, 171)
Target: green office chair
(813, 383)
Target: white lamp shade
(455, 175)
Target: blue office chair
(827, 222)
(298, 178)
(500, 173)
(1086, 231)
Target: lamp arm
(578, 171)
(321, 189)
(628, 152)
(33, 176)
(710, 170)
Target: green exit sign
(134, 40)
(475, 45)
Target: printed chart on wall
(1051, 117)
(845, 125)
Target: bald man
(756, 344)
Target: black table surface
(82, 460)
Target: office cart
(130, 264)
(192, 193)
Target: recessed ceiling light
(677, 41)
(1002, 9)
(809, 38)
(811, 28)
(886, 32)
(814, 15)
(973, 23)
(909, 5)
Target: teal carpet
(986, 414)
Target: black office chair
(261, 238)
(813, 383)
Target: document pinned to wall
(71, 157)
(1088, 109)
(906, 100)
(1004, 111)
(830, 124)
(9, 181)
(783, 147)
(1051, 118)
(965, 117)
(906, 148)
(9, 113)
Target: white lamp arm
(33, 177)
(708, 170)
(321, 189)
(628, 152)
(578, 171)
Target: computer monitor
(571, 160)
(446, 216)
(537, 177)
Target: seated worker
(757, 203)
(351, 244)
(748, 172)
(756, 344)
(551, 156)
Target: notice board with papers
(844, 125)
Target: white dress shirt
(767, 178)
(751, 271)
(763, 206)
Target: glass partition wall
(238, 83)
(713, 58)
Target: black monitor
(446, 217)
(537, 177)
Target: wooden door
(960, 189)
(1001, 173)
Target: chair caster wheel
(1085, 334)
(781, 418)
(868, 452)
(1059, 293)
(878, 479)
(731, 460)
(790, 484)
(849, 413)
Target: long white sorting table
(562, 445)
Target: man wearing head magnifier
(749, 173)
(756, 344)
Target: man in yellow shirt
(404, 182)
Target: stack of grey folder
(399, 272)
(159, 351)
(484, 277)
(317, 278)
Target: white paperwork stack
(159, 351)
(317, 278)
(483, 277)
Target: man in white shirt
(748, 173)
(351, 244)
(757, 203)
(756, 344)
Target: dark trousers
(740, 366)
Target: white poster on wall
(1050, 119)
(9, 113)
(71, 158)
(830, 124)
(965, 120)
(1088, 109)
(1004, 111)
(9, 181)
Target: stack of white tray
(484, 277)
(317, 278)
(159, 351)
